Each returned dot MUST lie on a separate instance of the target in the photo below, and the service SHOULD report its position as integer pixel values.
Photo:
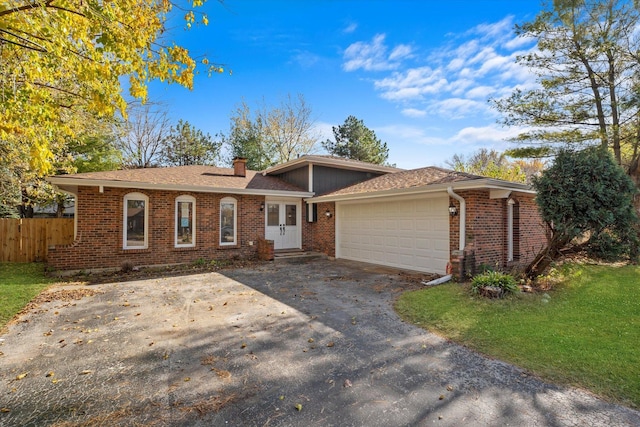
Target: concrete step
(296, 255)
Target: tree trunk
(546, 256)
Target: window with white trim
(228, 221)
(185, 230)
(136, 221)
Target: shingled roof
(428, 178)
(185, 178)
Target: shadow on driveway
(314, 344)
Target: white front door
(282, 219)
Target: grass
(587, 334)
(19, 284)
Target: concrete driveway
(314, 344)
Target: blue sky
(419, 73)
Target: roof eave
(70, 182)
(323, 161)
(425, 189)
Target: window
(136, 220)
(185, 221)
(228, 221)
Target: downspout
(463, 217)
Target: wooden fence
(28, 239)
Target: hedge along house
(343, 208)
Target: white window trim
(135, 196)
(233, 201)
(185, 199)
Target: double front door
(282, 219)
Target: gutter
(101, 184)
(484, 184)
(463, 217)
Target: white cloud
(414, 112)
(352, 27)
(411, 134)
(413, 83)
(481, 92)
(491, 134)
(453, 80)
(399, 52)
(323, 130)
(458, 108)
(374, 56)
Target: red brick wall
(487, 231)
(320, 236)
(100, 230)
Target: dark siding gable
(326, 179)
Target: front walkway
(315, 344)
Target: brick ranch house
(429, 219)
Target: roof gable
(422, 179)
(329, 161)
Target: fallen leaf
(298, 407)
(126, 304)
(449, 388)
(282, 397)
(347, 383)
(187, 379)
(21, 376)
(86, 372)
(243, 345)
(441, 397)
(310, 340)
(5, 410)
(50, 374)
(331, 344)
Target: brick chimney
(240, 166)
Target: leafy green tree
(271, 135)
(65, 60)
(585, 194)
(93, 154)
(246, 140)
(489, 163)
(587, 66)
(353, 140)
(289, 128)
(187, 145)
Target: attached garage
(410, 233)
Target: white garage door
(411, 234)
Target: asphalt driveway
(313, 344)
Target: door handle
(281, 229)
(284, 229)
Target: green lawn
(19, 283)
(586, 334)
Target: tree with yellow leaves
(62, 64)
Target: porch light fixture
(328, 214)
(453, 211)
(261, 207)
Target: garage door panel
(412, 234)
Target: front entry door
(282, 224)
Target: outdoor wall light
(262, 207)
(453, 211)
(328, 214)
